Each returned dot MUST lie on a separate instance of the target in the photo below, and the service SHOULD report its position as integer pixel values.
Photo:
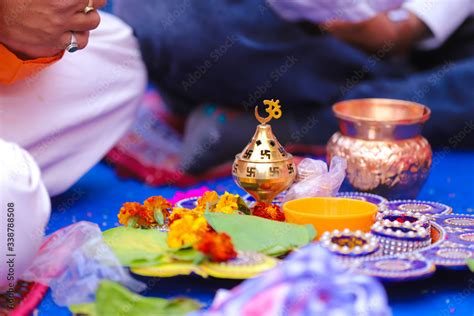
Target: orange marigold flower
(208, 198)
(186, 231)
(217, 246)
(159, 207)
(135, 215)
(268, 211)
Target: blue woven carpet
(99, 194)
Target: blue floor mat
(99, 194)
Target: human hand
(324, 11)
(42, 28)
(380, 34)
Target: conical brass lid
(264, 147)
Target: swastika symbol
(248, 153)
(291, 169)
(274, 171)
(265, 154)
(251, 172)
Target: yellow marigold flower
(228, 203)
(179, 212)
(186, 231)
(209, 197)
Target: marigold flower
(217, 246)
(136, 215)
(268, 211)
(228, 203)
(186, 231)
(208, 198)
(159, 207)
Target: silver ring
(89, 7)
(72, 47)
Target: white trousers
(55, 126)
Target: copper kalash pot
(381, 140)
(264, 168)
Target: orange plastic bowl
(328, 213)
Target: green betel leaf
(114, 299)
(252, 233)
(470, 264)
(137, 247)
(243, 206)
(187, 254)
(159, 218)
(132, 222)
(84, 309)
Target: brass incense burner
(264, 169)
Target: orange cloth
(13, 68)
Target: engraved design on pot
(377, 166)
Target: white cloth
(24, 212)
(66, 117)
(442, 17)
(323, 11)
(70, 114)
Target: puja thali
(414, 238)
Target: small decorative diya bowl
(382, 143)
(405, 218)
(395, 237)
(329, 213)
(349, 243)
(427, 208)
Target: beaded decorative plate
(414, 238)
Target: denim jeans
(237, 52)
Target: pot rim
(341, 109)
